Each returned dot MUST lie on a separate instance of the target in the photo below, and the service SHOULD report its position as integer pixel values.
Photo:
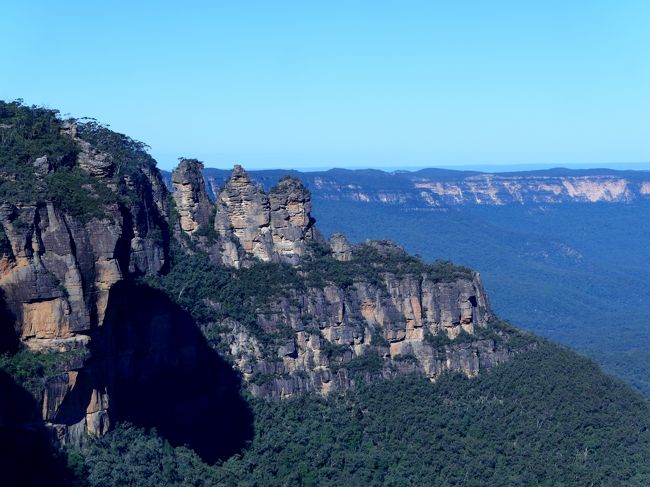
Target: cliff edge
(122, 301)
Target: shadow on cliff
(27, 456)
(161, 372)
(9, 341)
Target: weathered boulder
(42, 166)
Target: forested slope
(548, 417)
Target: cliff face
(400, 325)
(428, 189)
(57, 272)
(494, 189)
(86, 231)
(83, 212)
(393, 315)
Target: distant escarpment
(440, 188)
(121, 300)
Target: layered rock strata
(68, 285)
(314, 334)
(57, 273)
(250, 225)
(403, 324)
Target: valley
(215, 336)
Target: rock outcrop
(192, 201)
(291, 221)
(90, 159)
(250, 225)
(341, 249)
(394, 312)
(269, 227)
(243, 220)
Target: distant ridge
(435, 187)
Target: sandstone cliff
(328, 336)
(369, 308)
(189, 194)
(64, 248)
(249, 225)
(97, 262)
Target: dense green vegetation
(77, 193)
(548, 417)
(193, 282)
(129, 155)
(29, 133)
(32, 370)
(208, 231)
(571, 272)
(370, 261)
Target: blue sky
(346, 84)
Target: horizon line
(619, 166)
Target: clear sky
(347, 84)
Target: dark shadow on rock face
(27, 456)
(161, 373)
(8, 339)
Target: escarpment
(70, 230)
(327, 331)
(432, 189)
(148, 306)
(84, 214)
(335, 314)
